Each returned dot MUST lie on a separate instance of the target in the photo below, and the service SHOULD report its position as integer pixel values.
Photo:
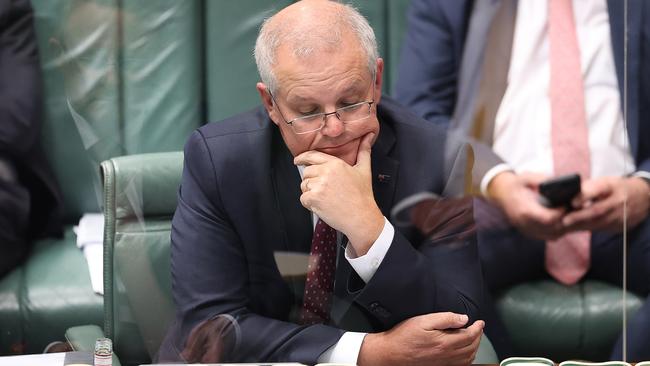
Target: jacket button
(379, 310)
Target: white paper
(90, 238)
(46, 359)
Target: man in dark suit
(488, 70)
(30, 205)
(325, 151)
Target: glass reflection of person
(259, 182)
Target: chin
(350, 158)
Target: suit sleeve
(20, 87)
(438, 273)
(428, 70)
(210, 274)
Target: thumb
(363, 154)
(441, 321)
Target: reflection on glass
(132, 77)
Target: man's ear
(267, 101)
(379, 79)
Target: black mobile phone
(559, 191)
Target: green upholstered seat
(119, 77)
(140, 199)
(560, 322)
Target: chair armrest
(486, 353)
(82, 338)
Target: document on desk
(49, 359)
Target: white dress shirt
(522, 132)
(346, 350)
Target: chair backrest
(120, 78)
(139, 200)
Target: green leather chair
(119, 78)
(561, 322)
(139, 201)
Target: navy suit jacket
(239, 203)
(433, 49)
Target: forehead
(337, 67)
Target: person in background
(542, 83)
(30, 202)
(316, 169)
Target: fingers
(459, 339)
(363, 155)
(594, 189)
(304, 185)
(462, 344)
(440, 321)
(536, 220)
(544, 215)
(312, 157)
(532, 180)
(592, 213)
(465, 355)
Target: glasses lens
(355, 112)
(307, 124)
(315, 122)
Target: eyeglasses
(315, 122)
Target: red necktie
(319, 286)
(567, 258)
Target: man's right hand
(431, 339)
(518, 197)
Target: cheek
(371, 126)
(297, 144)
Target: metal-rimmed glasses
(316, 121)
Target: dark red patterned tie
(319, 286)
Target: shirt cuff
(642, 174)
(346, 350)
(493, 172)
(366, 265)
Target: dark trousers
(14, 219)
(508, 258)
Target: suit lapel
(471, 65)
(616, 12)
(294, 218)
(384, 170)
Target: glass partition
(508, 179)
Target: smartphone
(559, 191)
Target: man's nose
(333, 126)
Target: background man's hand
(341, 195)
(518, 197)
(431, 339)
(600, 204)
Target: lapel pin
(383, 178)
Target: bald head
(309, 27)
